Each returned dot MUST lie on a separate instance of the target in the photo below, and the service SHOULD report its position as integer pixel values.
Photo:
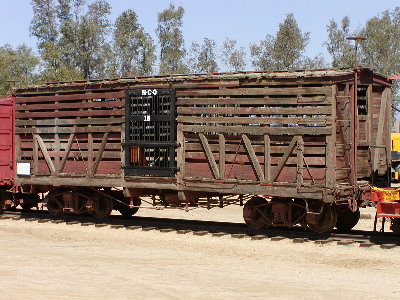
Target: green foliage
(203, 57)
(134, 49)
(283, 51)
(340, 49)
(171, 43)
(16, 64)
(234, 58)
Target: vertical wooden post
(35, 167)
(180, 157)
(370, 115)
(330, 152)
(90, 154)
(221, 156)
(300, 161)
(57, 149)
(267, 158)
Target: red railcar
(297, 147)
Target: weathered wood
(257, 130)
(66, 153)
(267, 158)
(257, 91)
(73, 105)
(317, 110)
(253, 158)
(83, 113)
(331, 154)
(210, 156)
(222, 151)
(284, 159)
(66, 130)
(255, 120)
(90, 164)
(300, 161)
(76, 96)
(70, 122)
(45, 153)
(378, 140)
(100, 152)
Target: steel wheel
(347, 219)
(127, 211)
(54, 202)
(254, 212)
(326, 222)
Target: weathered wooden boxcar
(300, 146)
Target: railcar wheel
(395, 225)
(326, 222)
(254, 212)
(2, 205)
(347, 219)
(102, 207)
(55, 203)
(127, 211)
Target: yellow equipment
(395, 137)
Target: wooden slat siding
(66, 130)
(331, 148)
(253, 158)
(257, 91)
(284, 159)
(308, 150)
(111, 146)
(83, 113)
(100, 152)
(46, 155)
(222, 156)
(90, 156)
(298, 110)
(267, 158)
(69, 97)
(257, 130)
(243, 158)
(387, 136)
(180, 155)
(381, 123)
(66, 153)
(70, 122)
(300, 162)
(56, 152)
(35, 156)
(210, 156)
(255, 120)
(239, 172)
(312, 100)
(47, 106)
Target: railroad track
(217, 229)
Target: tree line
(77, 40)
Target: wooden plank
(257, 91)
(311, 100)
(331, 149)
(255, 120)
(257, 130)
(267, 158)
(253, 157)
(66, 153)
(299, 110)
(35, 156)
(45, 153)
(180, 157)
(74, 105)
(83, 113)
(378, 140)
(63, 122)
(66, 130)
(75, 96)
(300, 161)
(221, 156)
(90, 155)
(100, 152)
(284, 159)
(210, 156)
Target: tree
(134, 48)
(16, 64)
(283, 51)
(340, 49)
(44, 22)
(233, 57)
(203, 57)
(172, 51)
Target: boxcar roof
(287, 74)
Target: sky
(246, 21)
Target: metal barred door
(150, 132)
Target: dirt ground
(57, 261)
